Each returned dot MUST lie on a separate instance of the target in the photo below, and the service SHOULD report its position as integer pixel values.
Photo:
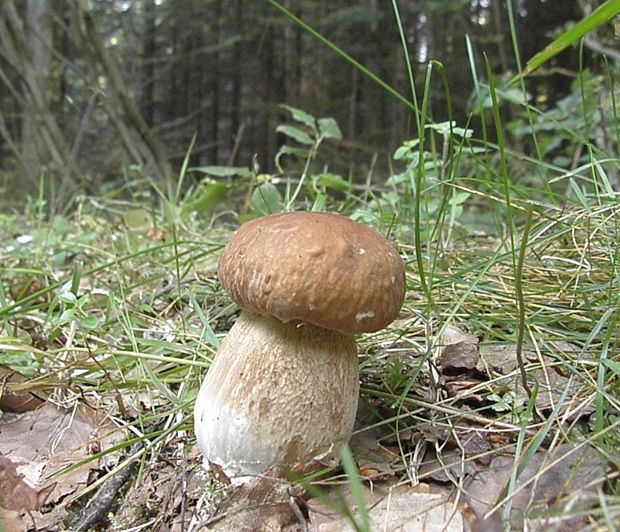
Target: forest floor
(110, 317)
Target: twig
(303, 522)
(102, 501)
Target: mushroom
(283, 387)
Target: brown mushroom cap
(320, 268)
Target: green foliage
(440, 197)
(303, 140)
(137, 218)
(72, 308)
(585, 117)
(266, 199)
(613, 366)
(223, 171)
(309, 132)
(357, 490)
(508, 402)
(208, 195)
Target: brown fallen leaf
(37, 446)
(397, 509)
(550, 479)
(11, 521)
(16, 492)
(453, 335)
(554, 382)
(375, 462)
(458, 357)
(453, 459)
(12, 399)
(501, 358)
(262, 504)
(459, 352)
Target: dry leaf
(500, 358)
(448, 461)
(458, 357)
(453, 335)
(17, 493)
(374, 461)
(552, 381)
(400, 509)
(40, 444)
(262, 504)
(568, 472)
(11, 521)
(12, 400)
(459, 352)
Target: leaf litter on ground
(442, 413)
(48, 453)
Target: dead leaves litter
(49, 453)
(395, 508)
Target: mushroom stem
(277, 394)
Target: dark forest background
(91, 90)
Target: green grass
(123, 313)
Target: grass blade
(341, 53)
(598, 17)
(357, 490)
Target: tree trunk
(149, 52)
(121, 93)
(266, 91)
(236, 78)
(214, 87)
(23, 45)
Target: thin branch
(122, 94)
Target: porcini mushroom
(284, 384)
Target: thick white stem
(276, 394)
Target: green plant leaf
(328, 127)
(137, 218)
(266, 199)
(319, 203)
(89, 322)
(459, 198)
(408, 152)
(212, 195)
(76, 276)
(68, 298)
(612, 365)
(66, 316)
(207, 331)
(302, 153)
(333, 181)
(301, 116)
(597, 18)
(296, 134)
(223, 171)
(447, 128)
